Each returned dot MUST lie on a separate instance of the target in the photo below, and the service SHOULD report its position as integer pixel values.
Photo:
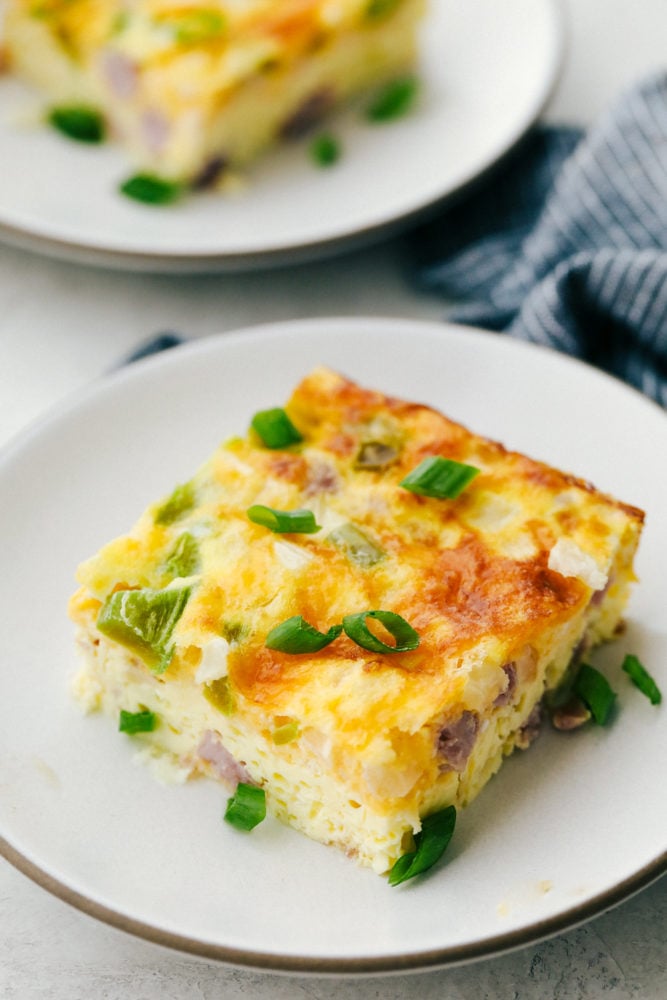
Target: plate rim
(263, 961)
(299, 251)
(342, 965)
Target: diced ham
(225, 767)
(531, 728)
(154, 130)
(506, 696)
(456, 740)
(120, 73)
(572, 715)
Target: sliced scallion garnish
(275, 428)
(355, 628)
(394, 100)
(641, 678)
(247, 807)
(78, 122)
(356, 545)
(284, 521)
(439, 477)
(295, 635)
(430, 844)
(144, 721)
(325, 150)
(595, 691)
(151, 190)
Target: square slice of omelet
(308, 614)
(195, 87)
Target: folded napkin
(566, 243)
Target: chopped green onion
(430, 844)
(284, 521)
(275, 428)
(183, 560)
(439, 477)
(325, 150)
(295, 635)
(247, 807)
(137, 722)
(78, 122)
(595, 691)
(356, 545)
(143, 620)
(356, 628)
(181, 502)
(219, 694)
(151, 190)
(394, 100)
(641, 678)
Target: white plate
(564, 831)
(488, 68)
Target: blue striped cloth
(566, 244)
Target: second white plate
(487, 70)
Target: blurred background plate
(488, 68)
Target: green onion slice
(394, 100)
(78, 122)
(137, 722)
(275, 428)
(247, 807)
(357, 546)
(325, 150)
(430, 843)
(595, 691)
(151, 190)
(356, 628)
(296, 636)
(439, 477)
(284, 521)
(641, 678)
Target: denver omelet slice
(506, 585)
(195, 88)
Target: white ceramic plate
(564, 831)
(488, 68)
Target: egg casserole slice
(504, 586)
(192, 87)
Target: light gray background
(63, 325)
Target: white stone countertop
(62, 325)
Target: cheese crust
(194, 88)
(507, 585)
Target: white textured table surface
(62, 325)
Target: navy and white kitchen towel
(566, 243)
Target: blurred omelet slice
(194, 89)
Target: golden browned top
(471, 574)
